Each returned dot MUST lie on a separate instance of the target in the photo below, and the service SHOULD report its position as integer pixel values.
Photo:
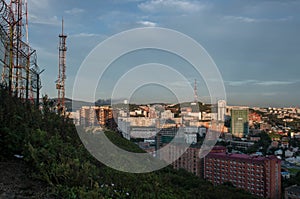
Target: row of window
(237, 163)
(237, 175)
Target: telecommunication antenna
(195, 92)
(60, 83)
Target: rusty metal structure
(60, 83)
(18, 61)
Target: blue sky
(255, 44)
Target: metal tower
(60, 83)
(17, 58)
(15, 55)
(195, 92)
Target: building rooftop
(241, 157)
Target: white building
(190, 138)
(167, 114)
(221, 110)
(124, 127)
(196, 115)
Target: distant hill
(118, 103)
(201, 106)
(76, 104)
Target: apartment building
(260, 176)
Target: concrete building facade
(221, 110)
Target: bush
(55, 154)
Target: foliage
(262, 145)
(294, 180)
(51, 147)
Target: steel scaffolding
(17, 59)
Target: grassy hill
(58, 166)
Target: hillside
(55, 164)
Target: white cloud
(74, 11)
(45, 21)
(147, 23)
(240, 83)
(85, 35)
(255, 20)
(171, 6)
(259, 83)
(241, 19)
(275, 83)
(125, 1)
(38, 4)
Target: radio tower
(195, 92)
(195, 102)
(60, 84)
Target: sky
(254, 44)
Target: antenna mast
(60, 84)
(195, 92)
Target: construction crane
(60, 83)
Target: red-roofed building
(254, 117)
(259, 175)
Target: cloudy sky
(255, 44)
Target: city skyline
(254, 44)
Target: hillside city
(208, 150)
(258, 147)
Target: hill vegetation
(55, 159)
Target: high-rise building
(221, 110)
(105, 117)
(95, 116)
(260, 176)
(190, 161)
(87, 116)
(239, 121)
(165, 136)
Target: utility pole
(39, 86)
